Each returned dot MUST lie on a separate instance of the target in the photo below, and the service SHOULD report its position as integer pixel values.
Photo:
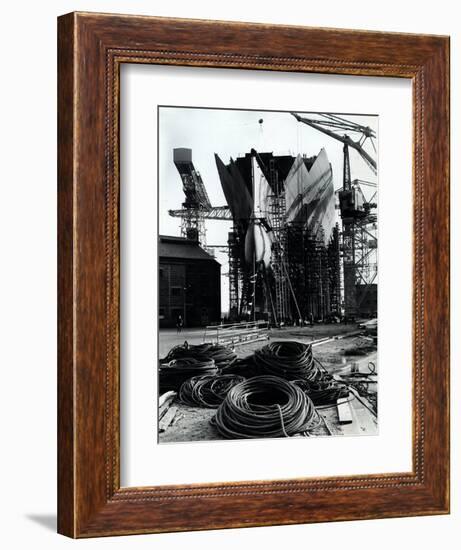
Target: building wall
(191, 289)
(172, 284)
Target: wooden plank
(344, 410)
(166, 405)
(165, 397)
(167, 419)
(362, 400)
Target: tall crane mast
(196, 207)
(359, 222)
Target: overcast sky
(232, 133)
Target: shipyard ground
(345, 349)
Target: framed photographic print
(253, 275)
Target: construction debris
(167, 419)
(164, 403)
(344, 410)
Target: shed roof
(181, 248)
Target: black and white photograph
(267, 278)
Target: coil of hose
(177, 371)
(290, 360)
(264, 406)
(208, 390)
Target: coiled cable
(244, 367)
(290, 360)
(221, 355)
(324, 393)
(295, 361)
(264, 406)
(208, 390)
(177, 371)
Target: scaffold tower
(277, 218)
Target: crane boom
(337, 122)
(214, 213)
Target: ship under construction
(290, 258)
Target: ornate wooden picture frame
(92, 48)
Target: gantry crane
(196, 207)
(359, 242)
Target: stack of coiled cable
(324, 392)
(265, 406)
(177, 371)
(290, 360)
(295, 361)
(221, 355)
(208, 390)
(245, 367)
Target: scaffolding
(302, 282)
(315, 272)
(334, 273)
(359, 250)
(318, 289)
(235, 246)
(277, 216)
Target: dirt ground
(169, 338)
(341, 349)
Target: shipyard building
(189, 283)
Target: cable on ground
(294, 361)
(177, 371)
(221, 355)
(323, 392)
(265, 406)
(208, 390)
(245, 367)
(290, 360)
